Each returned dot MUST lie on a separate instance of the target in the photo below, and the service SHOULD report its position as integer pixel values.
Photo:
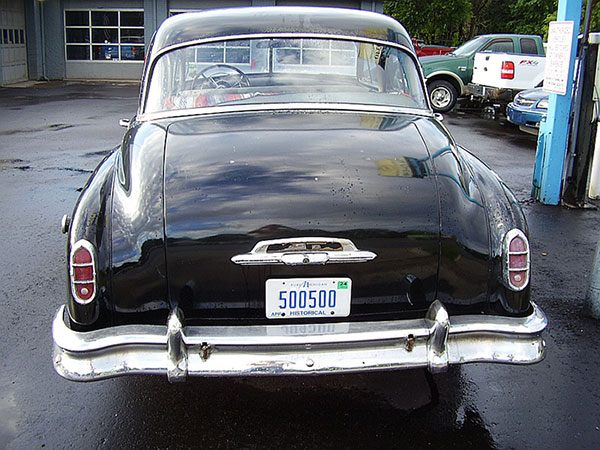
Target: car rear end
(294, 210)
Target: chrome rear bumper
(435, 342)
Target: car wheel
(442, 95)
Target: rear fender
(504, 213)
(138, 267)
(91, 222)
(464, 245)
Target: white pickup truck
(497, 77)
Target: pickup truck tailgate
(520, 71)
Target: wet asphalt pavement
(51, 138)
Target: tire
(442, 95)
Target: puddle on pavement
(70, 169)
(102, 152)
(376, 410)
(52, 127)
(8, 417)
(13, 164)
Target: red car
(424, 49)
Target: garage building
(99, 40)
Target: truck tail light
(82, 272)
(515, 257)
(508, 70)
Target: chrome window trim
(317, 107)
(153, 58)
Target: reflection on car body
(285, 202)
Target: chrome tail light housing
(516, 260)
(82, 272)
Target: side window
(528, 46)
(501, 46)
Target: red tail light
(83, 272)
(516, 260)
(508, 70)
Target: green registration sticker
(342, 285)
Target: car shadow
(374, 410)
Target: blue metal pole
(553, 137)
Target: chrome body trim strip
(435, 342)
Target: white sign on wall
(558, 57)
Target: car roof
(508, 35)
(191, 27)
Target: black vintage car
(286, 202)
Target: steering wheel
(223, 76)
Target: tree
(453, 22)
(434, 21)
(530, 16)
(480, 18)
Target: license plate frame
(310, 295)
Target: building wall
(13, 54)
(53, 34)
(51, 42)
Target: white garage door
(12, 42)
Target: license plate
(296, 298)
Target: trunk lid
(234, 180)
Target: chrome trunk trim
(304, 251)
(434, 342)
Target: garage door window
(12, 37)
(104, 35)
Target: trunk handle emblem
(303, 251)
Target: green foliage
(594, 22)
(530, 16)
(488, 16)
(436, 21)
(452, 22)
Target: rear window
(528, 46)
(284, 70)
(501, 46)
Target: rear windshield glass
(470, 46)
(278, 70)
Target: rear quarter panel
(464, 261)
(91, 221)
